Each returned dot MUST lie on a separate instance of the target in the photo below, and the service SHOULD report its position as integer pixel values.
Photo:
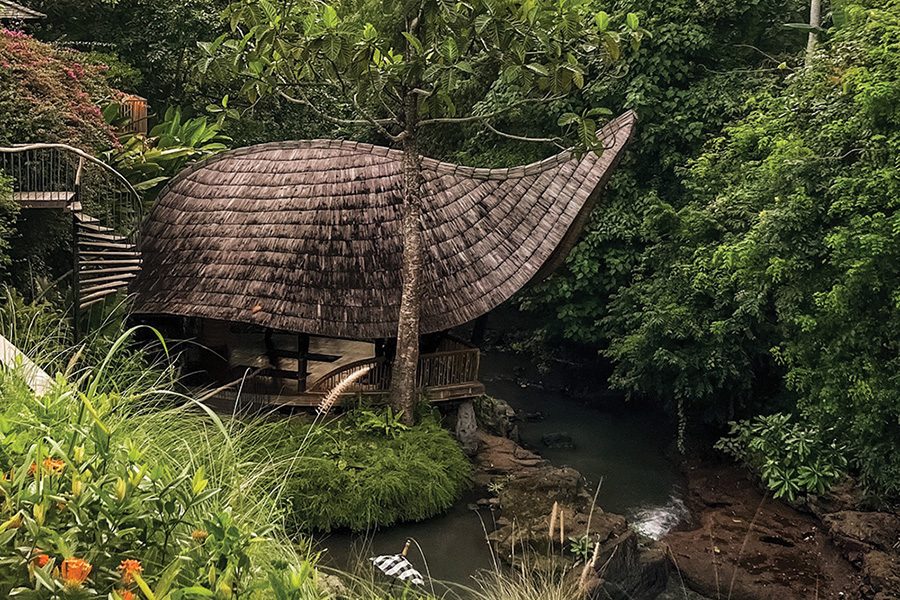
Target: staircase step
(104, 269)
(134, 263)
(104, 244)
(97, 296)
(92, 281)
(113, 237)
(111, 253)
(92, 226)
(43, 199)
(111, 285)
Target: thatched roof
(305, 236)
(15, 11)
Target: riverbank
(744, 545)
(735, 540)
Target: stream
(622, 451)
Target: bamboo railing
(436, 370)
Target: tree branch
(379, 123)
(496, 113)
(522, 138)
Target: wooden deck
(445, 376)
(437, 394)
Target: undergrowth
(355, 474)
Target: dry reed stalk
(588, 567)
(562, 527)
(554, 515)
(328, 401)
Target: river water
(622, 450)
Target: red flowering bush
(48, 95)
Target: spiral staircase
(105, 212)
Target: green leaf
(538, 68)
(602, 20)
(567, 119)
(631, 20)
(414, 42)
(449, 49)
(330, 17)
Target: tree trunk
(815, 20)
(403, 375)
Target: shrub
(49, 95)
(365, 469)
(791, 458)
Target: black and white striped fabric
(396, 565)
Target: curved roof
(305, 236)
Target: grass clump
(366, 468)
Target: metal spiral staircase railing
(106, 214)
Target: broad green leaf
(631, 20)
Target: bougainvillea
(48, 95)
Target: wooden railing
(447, 368)
(134, 109)
(439, 369)
(376, 380)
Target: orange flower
(125, 594)
(129, 568)
(75, 571)
(52, 466)
(41, 560)
(199, 535)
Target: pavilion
(283, 259)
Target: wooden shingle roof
(305, 236)
(15, 11)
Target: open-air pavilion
(283, 259)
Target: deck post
(302, 361)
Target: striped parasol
(398, 566)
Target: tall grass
(251, 460)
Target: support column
(302, 361)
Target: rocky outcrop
(857, 532)
(870, 540)
(527, 487)
(497, 417)
(747, 546)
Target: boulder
(560, 441)
(500, 457)
(857, 531)
(497, 417)
(466, 429)
(527, 489)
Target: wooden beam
(13, 358)
(302, 363)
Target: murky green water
(621, 450)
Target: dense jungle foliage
(743, 263)
(759, 269)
